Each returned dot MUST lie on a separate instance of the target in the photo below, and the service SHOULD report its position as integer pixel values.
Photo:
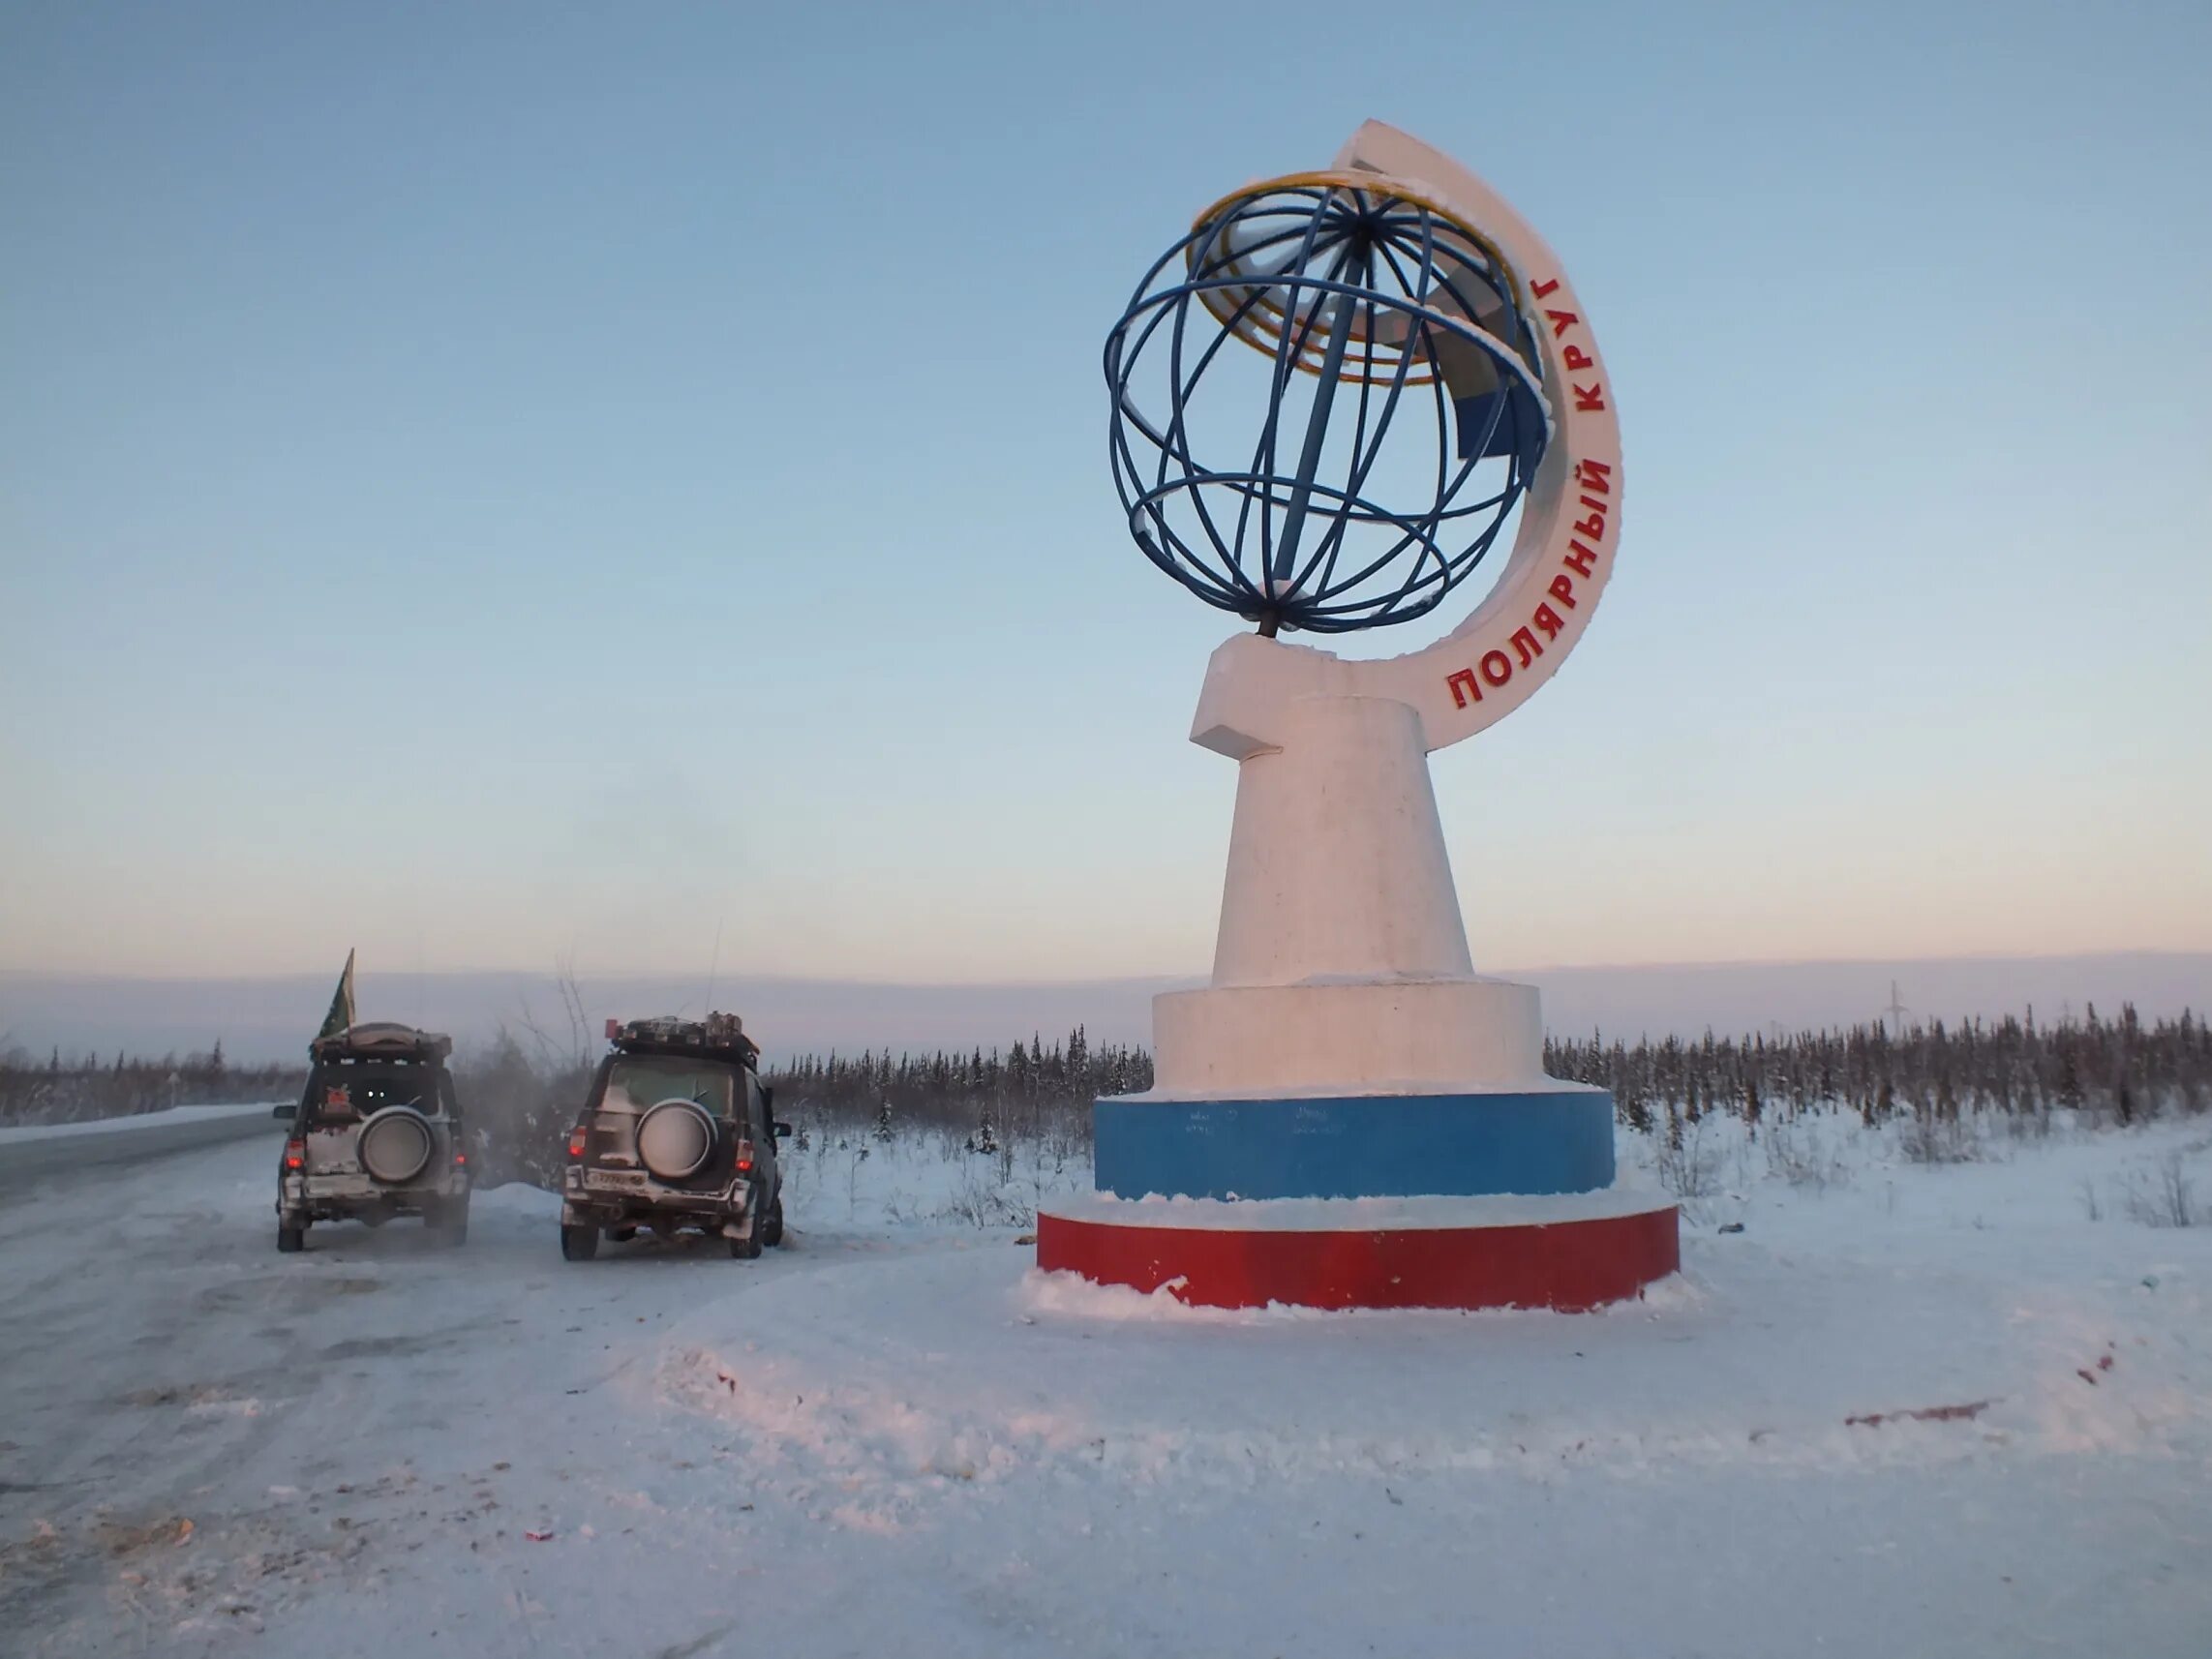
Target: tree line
(1024, 1090)
(2121, 1069)
(55, 1090)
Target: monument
(1329, 400)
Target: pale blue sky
(492, 482)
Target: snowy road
(888, 1440)
(32, 1153)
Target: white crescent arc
(1517, 637)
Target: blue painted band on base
(1366, 1146)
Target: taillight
(459, 1159)
(576, 1138)
(295, 1154)
(744, 1157)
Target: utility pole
(1897, 1010)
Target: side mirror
(286, 1111)
(782, 1130)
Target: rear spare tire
(675, 1140)
(394, 1146)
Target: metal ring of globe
(1514, 638)
(1350, 281)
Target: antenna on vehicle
(715, 966)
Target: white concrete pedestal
(1337, 868)
(1342, 967)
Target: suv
(675, 1135)
(377, 1135)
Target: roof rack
(719, 1035)
(382, 1039)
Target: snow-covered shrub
(1931, 1136)
(1805, 1155)
(1690, 1165)
(2091, 1205)
(2164, 1196)
(518, 1110)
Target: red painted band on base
(1570, 1266)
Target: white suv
(377, 1135)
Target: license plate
(619, 1180)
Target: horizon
(1192, 976)
(266, 1017)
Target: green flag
(340, 1014)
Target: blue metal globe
(1365, 460)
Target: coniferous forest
(2122, 1069)
(1937, 1078)
(1028, 1090)
(55, 1090)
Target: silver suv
(676, 1136)
(377, 1135)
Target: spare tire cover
(675, 1140)
(395, 1145)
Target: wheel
(290, 1239)
(771, 1223)
(579, 1244)
(747, 1248)
(450, 1221)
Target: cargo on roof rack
(719, 1035)
(383, 1039)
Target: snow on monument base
(1571, 1253)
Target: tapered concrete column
(1337, 868)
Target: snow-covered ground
(1908, 1410)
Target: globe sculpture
(1331, 400)
(1364, 462)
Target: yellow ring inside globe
(1260, 323)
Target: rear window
(636, 1081)
(347, 1093)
